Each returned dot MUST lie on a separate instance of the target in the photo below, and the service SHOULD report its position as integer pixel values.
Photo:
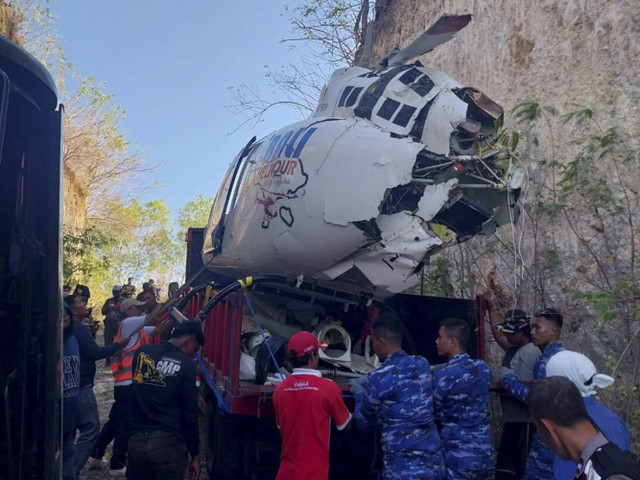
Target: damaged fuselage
(394, 164)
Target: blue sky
(169, 65)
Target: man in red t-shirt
(305, 403)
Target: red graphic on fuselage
(267, 203)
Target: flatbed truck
(243, 441)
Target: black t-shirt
(111, 310)
(165, 395)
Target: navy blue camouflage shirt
(461, 400)
(540, 460)
(398, 397)
(521, 391)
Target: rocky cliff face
(575, 245)
(74, 203)
(9, 23)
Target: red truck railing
(221, 353)
(223, 330)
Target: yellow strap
(207, 294)
(246, 283)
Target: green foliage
(83, 254)
(499, 123)
(609, 304)
(140, 244)
(194, 213)
(552, 259)
(436, 278)
(467, 284)
(580, 115)
(591, 197)
(145, 245)
(581, 174)
(626, 394)
(531, 111)
(550, 209)
(508, 138)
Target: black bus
(30, 268)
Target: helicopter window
(364, 109)
(353, 97)
(349, 96)
(344, 96)
(226, 197)
(237, 181)
(422, 86)
(404, 115)
(409, 76)
(388, 108)
(218, 204)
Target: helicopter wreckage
(395, 163)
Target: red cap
(303, 343)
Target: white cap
(580, 370)
(127, 303)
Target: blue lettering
(289, 143)
(303, 142)
(283, 142)
(289, 151)
(272, 146)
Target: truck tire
(229, 446)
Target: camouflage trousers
(540, 461)
(463, 465)
(413, 466)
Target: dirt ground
(103, 389)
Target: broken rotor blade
(440, 32)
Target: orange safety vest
(121, 362)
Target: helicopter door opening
(227, 196)
(465, 215)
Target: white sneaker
(118, 473)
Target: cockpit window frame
(229, 191)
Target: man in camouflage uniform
(461, 399)
(397, 396)
(545, 332)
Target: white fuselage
(306, 200)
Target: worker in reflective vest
(121, 361)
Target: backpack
(610, 460)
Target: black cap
(515, 321)
(83, 291)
